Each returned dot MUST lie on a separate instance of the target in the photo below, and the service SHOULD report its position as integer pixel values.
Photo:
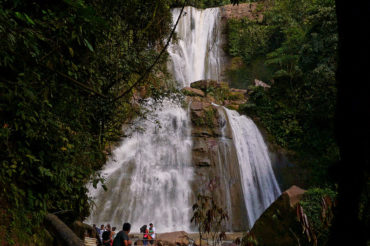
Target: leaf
(32, 158)
(18, 15)
(71, 51)
(29, 19)
(88, 45)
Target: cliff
(252, 11)
(213, 153)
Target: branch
(156, 60)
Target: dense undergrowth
(293, 49)
(69, 70)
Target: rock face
(278, 225)
(249, 10)
(214, 155)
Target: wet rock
(201, 132)
(197, 242)
(82, 229)
(193, 92)
(229, 244)
(278, 225)
(214, 155)
(174, 238)
(242, 10)
(242, 91)
(196, 106)
(204, 84)
(201, 161)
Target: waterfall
(148, 176)
(197, 52)
(258, 181)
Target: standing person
(122, 238)
(145, 232)
(97, 234)
(107, 238)
(113, 232)
(108, 228)
(151, 233)
(101, 233)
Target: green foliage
(298, 42)
(315, 213)
(209, 218)
(249, 239)
(62, 65)
(247, 39)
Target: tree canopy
(68, 72)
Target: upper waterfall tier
(196, 54)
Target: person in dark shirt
(107, 238)
(122, 238)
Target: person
(107, 238)
(145, 232)
(113, 232)
(151, 233)
(101, 233)
(122, 238)
(108, 228)
(97, 234)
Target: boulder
(261, 83)
(278, 225)
(193, 92)
(204, 84)
(61, 231)
(196, 106)
(242, 91)
(197, 242)
(82, 229)
(174, 238)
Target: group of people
(148, 234)
(107, 236)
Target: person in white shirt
(151, 233)
(102, 229)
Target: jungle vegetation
(69, 70)
(294, 50)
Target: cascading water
(197, 52)
(148, 175)
(259, 184)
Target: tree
(209, 218)
(63, 64)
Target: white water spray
(259, 184)
(195, 55)
(149, 174)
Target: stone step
(89, 241)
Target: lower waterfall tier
(148, 176)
